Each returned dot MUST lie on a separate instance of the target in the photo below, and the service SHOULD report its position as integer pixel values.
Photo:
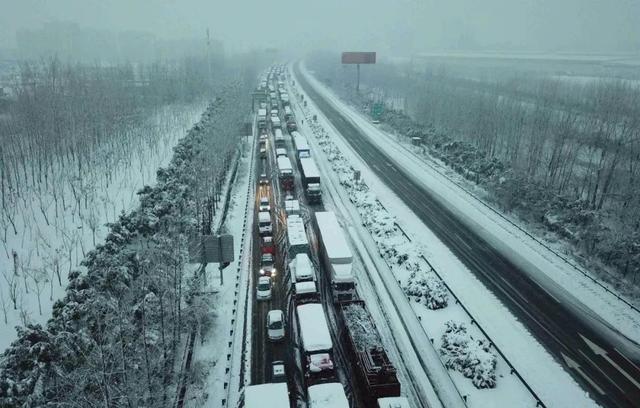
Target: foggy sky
(395, 27)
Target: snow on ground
(48, 244)
(554, 274)
(548, 378)
(211, 349)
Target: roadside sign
(376, 110)
(211, 248)
(352, 57)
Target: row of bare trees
(564, 154)
(115, 339)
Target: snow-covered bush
(473, 358)
(427, 289)
(397, 251)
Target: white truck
(316, 345)
(262, 118)
(274, 395)
(336, 254)
(264, 223)
(296, 236)
(329, 395)
(292, 207)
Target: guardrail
(513, 370)
(539, 402)
(532, 237)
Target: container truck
(262, 118)
(274, 395)
(296, 236)
(315, 343)
(310, 180)
(336, 255)
(301, 145)
(285, 173)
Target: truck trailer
(336, 255)
(373, 371)
(274, 395)
(316, 344)
(310, 180)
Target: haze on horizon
(396, 27)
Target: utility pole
(209, 57)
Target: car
(280, 152)
(275, 325)
(267, 245)
(278, 373)
(264, 204)
(263, 152)
(267, 267)
(264, 180)
(263, 289)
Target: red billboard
(358, 57)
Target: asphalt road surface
(611, 377)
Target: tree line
(115, 338)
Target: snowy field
(540, 370)
(57, 226)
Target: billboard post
(358, 58)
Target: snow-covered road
(540, 370)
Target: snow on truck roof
(266, 396)
(329, 395)
(393, 402)
(333, 238)
(313, 328)
(309, 167)
(284, 164)
(296, 231)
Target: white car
(275, 325)
(264, 204)
(263, 290)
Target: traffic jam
(314, 342)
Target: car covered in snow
(275, 325)
(280, 152)
(264, 180)
(264, 204)
(267, 267)
(263, 288)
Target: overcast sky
(390, 26)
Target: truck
(310, 180)
(335, 255)
(296, 236)
(329, 395)
(393, 402)
(291, 207)
(315, 344)
(288, 113)
(285, 173)
(301, 145)
(275, 122)
(278, 136)
(371, 367)
(264, 223)
(273, 395)
(305, 292)
(262, 118)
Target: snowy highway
(575, 339)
